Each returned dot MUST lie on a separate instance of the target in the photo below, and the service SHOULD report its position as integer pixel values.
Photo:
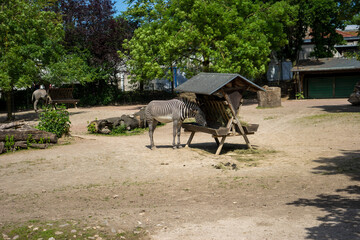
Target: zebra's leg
(152, 125)
(175, 124)
(176, 131)
(35, 104)
(178, 134)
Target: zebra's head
(195, 111)
(200, 117)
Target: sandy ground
(303, 183)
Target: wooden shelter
(220, 96)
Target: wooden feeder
(220, 96)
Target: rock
(131, 123)
(354, 98)
(269, 99)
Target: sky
(120, 6)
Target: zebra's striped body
(175, 111)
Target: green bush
(56, 121)
(119, 130)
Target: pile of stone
(20, 135)
(105, 126)
(354, 98)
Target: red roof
(342, 33)
(347, 33)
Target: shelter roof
(209, 83)
(327, 64)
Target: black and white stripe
(175, 111)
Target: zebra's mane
(189, 102)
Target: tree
(220, 36)
(319, 19)
(92, 32)
(30, 40)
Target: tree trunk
(8, 95)
(24, 135)
(141, 87)
(172, 79)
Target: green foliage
(300, 95)
(119, 130)
(9, 143)
(321, 18)
(91, 128)
(31, 50)
(56, 121)
(217, 36)
(69, 69)
(30, 40)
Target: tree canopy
(229, 36)
(317, 20)
(31, 50)
(198, 35)
(30, 40)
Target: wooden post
(216, 140)
(190, 139)
(236, 119)
(221, 145)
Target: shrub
(56, 121)
(119, 130)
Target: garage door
(331, 87)
(321, 87)
(344, 86)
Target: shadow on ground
(209, 147)
(342, 219)
(339, 108)
(26, 116)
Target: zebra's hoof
(153, 147)
(179, 146)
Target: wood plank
(222, 131)
(237, 121)
(190, 139)
(220, 146)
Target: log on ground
(25, 135)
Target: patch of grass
(226, 166)
(251, 156)
(270, 117)
(326, 117)
(266, 107)
(34, 230)
(122, 131)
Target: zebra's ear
(195, 111)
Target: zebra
(40, 94)
(172, 111)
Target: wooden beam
(190, 139)
(220, 145)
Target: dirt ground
(301, 183)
